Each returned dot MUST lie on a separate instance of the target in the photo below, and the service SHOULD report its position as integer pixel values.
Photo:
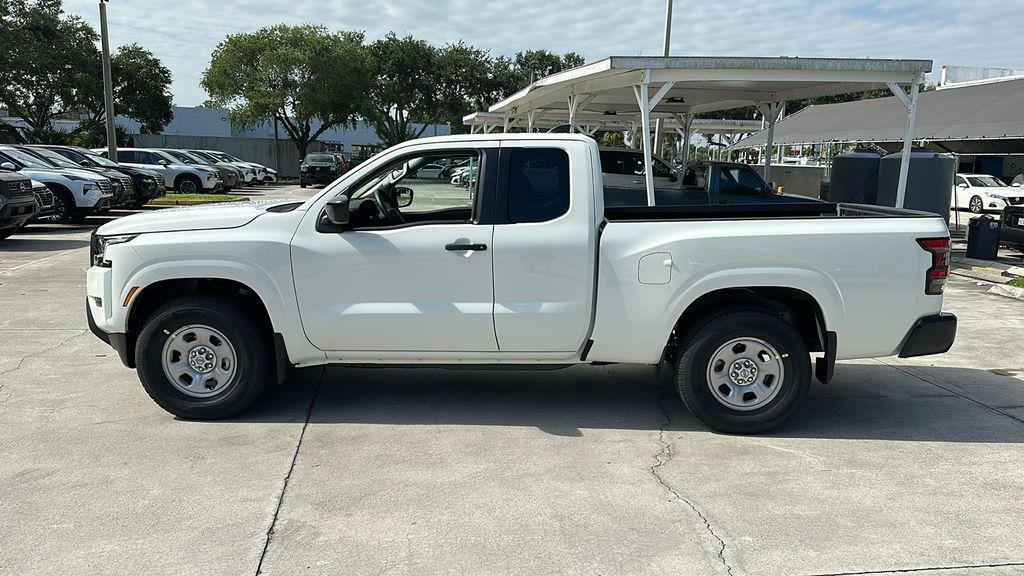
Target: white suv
(183, 178)
(76, 193)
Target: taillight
(935, 276)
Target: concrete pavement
(898, 465)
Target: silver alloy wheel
(199, 361)
(745, 373)
(977, 206)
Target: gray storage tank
(854, 177)
(929, 183)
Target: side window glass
(126, 156)
(439, 183)
(538, 184)
(611, 162)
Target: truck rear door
(544, 246)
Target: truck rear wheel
(744, 371)
(204, 357)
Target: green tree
(418, 83)
(142, 90)
(305, 77)
(510, 75)
(45, 62)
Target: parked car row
(68, 183)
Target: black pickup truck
(17, 202)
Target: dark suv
(17, 202)
(319, 169)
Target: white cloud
(183, 33)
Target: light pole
(665, 51)
(108, 84)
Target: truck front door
(418, 281)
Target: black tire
(189, 184)
(976, 205)
(699, 348)
(302, 184)
(63, 207)
(5, 233)
(136, 204)
(254, 365)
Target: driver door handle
(455, 247)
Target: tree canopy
(50, 68)
(305, 77)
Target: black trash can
(983, 238)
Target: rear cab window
(538, 184)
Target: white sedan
(981, 192)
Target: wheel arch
(795, 306)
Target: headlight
(998, 197)
(99, 244)
(89, 185)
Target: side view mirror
(8, 166)
(337, 210)
(84, 163)
(162, 162)
(961, 186)
(1016, 185)
(403, 196)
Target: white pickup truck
(526, 266)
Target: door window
(738, 180)
(129, 156)
(434, 187)
(538, 184)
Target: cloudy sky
(182, 33)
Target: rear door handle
(454, 247)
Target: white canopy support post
(771, 112)
(574, 101)
(910, 102)
(642, 100)
(529, 120)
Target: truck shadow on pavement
(865, 401)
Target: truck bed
(778, 207)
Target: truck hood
(208, 217)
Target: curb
(1008, 291)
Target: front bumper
(117, 341)
(318, 178)
(14, 213)
(930, 335)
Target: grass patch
(195, 199)
(1018, 282)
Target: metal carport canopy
(957, 118)
(546, 119)
(681, 86)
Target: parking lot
(897, 466)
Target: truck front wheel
(204, 357)
(743, 372)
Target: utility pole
(108, 85)
(665, 51)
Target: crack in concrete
(923, 569)
(21, 361)
(288, 477)
(662, 458)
